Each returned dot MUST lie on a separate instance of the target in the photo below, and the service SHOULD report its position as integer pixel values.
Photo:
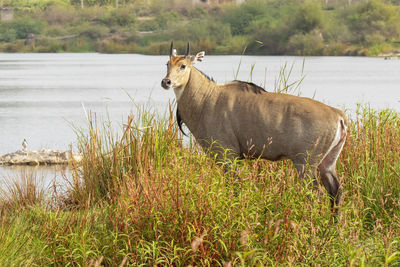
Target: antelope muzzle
(166, 83)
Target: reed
(22, 191)
(149, 197)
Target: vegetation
(268, 27)
(148, 197)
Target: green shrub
(306, 44)
(56, 31)
(335, 49)
(147, 40)
(113, 46)
(198, 30)
(307, 17)
(374, 18)
(94, 32)
(167, 19)
(48, 45)
(19, 28)
(380, 48)
(7, 34)
(163, 21)
(60, 15)
(198, 12)
(236, 45)
(160, 47)
(148, 25)
(119, 17)
(37, 4)
(241, 17)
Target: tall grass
(21, 191)
(146, 197)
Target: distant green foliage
(308, 16)
(19, 28)
(118, 17)
(94, 32)
(163, 21)
(167, 19)
(197, 30)
(310, 27)
(36, 4)
(374, 22)
(241, 17)
(93, 2)
(310, 43)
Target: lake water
(44, 97)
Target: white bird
(24, 145)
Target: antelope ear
(174, 54)
(198, 58)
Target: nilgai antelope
(250, 122)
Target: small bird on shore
(24, 145)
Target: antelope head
(178, 70)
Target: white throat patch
(178, 93)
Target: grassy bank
(267, 27)
(144, 198)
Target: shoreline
(43, 157)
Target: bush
(335, 49)
(161, 22)
(167, 19)
(272, 40)
(374, 18)
(307, 17)
(112, 46)
(94, 32)
(48, 45)
(8, 34)
(148, 39)
(162, 47)
(234, 47)
(148, 25)
(119, 17)
(306, 44)
(198, 12)
(20, 28)
(38, 4)
(380, 48)
(56, 31)
(14, 47)
(59, 15)
(336, 30)
(241, 17)
(198, 30)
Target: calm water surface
(43, 97)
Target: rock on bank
(40, 157)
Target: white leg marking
(335, 141)
(328, 162)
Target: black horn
(171, 50)
(188, 50)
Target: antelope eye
(183, 66)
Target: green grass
(145, 198)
